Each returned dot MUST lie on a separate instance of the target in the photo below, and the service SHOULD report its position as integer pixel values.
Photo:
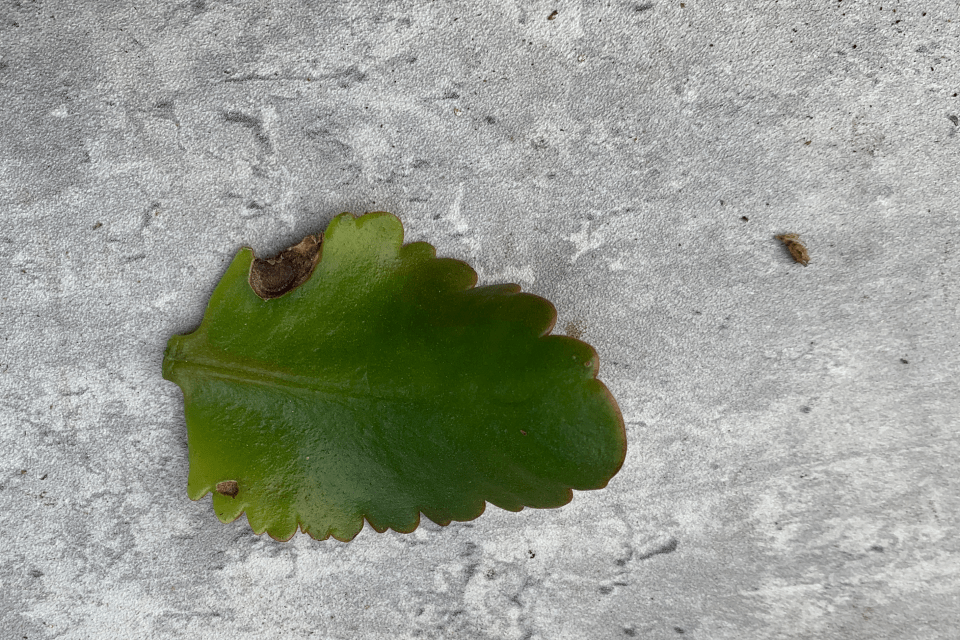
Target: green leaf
(373, 380)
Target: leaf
(375, 381)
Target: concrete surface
(792, 470)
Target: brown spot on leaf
(228, 488)
(796, 248)
(273, 277)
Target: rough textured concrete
(792, 464)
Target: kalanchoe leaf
(353, 377)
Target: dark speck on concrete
(605, 590)
(877, 548)
(679, 630)
(491, 120)
(630, 632)
(254, 124)
(667, 547)
(470, 570)
(904, 361)
(646, 6)
(345, 78)
(149, 213)
(805, 409)
(955, 120)
(241, 118)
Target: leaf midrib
(246, 374)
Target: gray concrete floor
(792, 463)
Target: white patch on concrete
(585, 240)
(372, 147)
(460, 223)
(521, 275)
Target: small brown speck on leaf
(228, 488)
(273, 277)
(796, 248)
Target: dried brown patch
(228, 488)
(795, 247)
(273, 277)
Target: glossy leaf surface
(384, 386)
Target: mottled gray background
(792, 465)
